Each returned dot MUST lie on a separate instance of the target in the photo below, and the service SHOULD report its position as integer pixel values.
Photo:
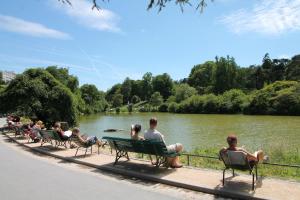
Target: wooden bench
(122, 146)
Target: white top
(68, 133)
(153, 134)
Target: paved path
(22, 177)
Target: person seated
(256, 157)
(89, 140)
(61, 133)
(153, 134)
(134, 132)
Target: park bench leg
(120, 154)
(253, 181)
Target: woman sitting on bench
(232, 146)
(134, 132)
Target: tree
(116, 89)
(135, 99)
(156, 99)
(126, 90)
(1, 79)
(293, 69)
(183, 91)
(200, 5)
(36, 93)
(117, 100)
(163, 84)
(201, 76)
(62, 75)
(225, 74)
(147, 87)
(93, 98)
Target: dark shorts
(92, 140)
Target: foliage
(135, 99)
(156, 99)
(37, 93)
(163, 84)
(183, 91)
(117, 100)
(94, 100)
(1, 79)
(281, 97)
(233, 101)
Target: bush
(281, 98)
(163, 107)
(173, 107)
(36, 93)
(233, 101)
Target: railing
(189, 156)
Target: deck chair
(237, 160)
(83, 145)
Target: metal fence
(190, 156)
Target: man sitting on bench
(153, 134)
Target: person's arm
(132, 132)
(81, 139)
(249, 155)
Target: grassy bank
(276, 155)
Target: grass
(277, 155)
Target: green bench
(122, 146)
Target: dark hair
(137, 128)
(153, 121)
(231, 139)
(57, 125)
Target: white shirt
(153, 134)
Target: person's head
(57, 125)
(137, 128)
(153, 123)
(40, 123)
(232, 140)
(76, 131)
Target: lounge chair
(237, 160)
(47, 136)
(83, 145)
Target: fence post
(188, 159)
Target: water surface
(205, 130)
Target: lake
(204, 131)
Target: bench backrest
(137, 146)
(47, 134)
(234, 159)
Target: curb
(151, 178)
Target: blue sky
(124, 39)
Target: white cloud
(270, 17)
(102, 20)
(18, 25)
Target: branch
(157, 3)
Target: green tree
(36, 93)
(163, 84)
(62, 75)
(201, 76)
(183, 91)
(1, 79)
(126, 90)
(117, 100)
(135, 99)
(116, 89)
(293, 69)
(93, 98)
(225, 74)
(146, 85)
(156, 99)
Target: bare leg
(259, 155)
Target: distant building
(7, 76)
